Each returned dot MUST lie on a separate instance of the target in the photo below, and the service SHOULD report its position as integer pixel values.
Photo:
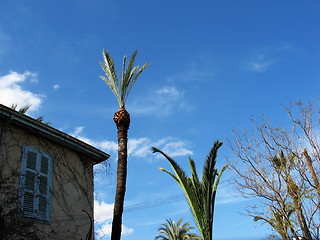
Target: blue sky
(214, 64)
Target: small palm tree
(121, 118)
(200, 194)
(24, 110)
(280, 221)
(175, 231)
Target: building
(53, 172)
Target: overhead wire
(131, 208)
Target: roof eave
(26, 122)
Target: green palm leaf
(200, 195)
(129, 76)
(172, 230)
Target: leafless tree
(279, 165)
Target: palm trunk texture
(293, 190)
(121, 179)
(312, 172)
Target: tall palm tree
(175, 231)
(200, 194)
(121, 118)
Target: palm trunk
(312, 172)
(293, 192)
(121, 181)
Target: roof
(21, 120)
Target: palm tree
(176, 231)
(200, 194)
(280, 221)
(122, 120)
(284, 164)
(24, 110)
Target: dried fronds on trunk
(276, 164)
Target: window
(35, 184)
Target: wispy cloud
(265, 57)
(260, 63)
(5, 41)
(161, 102)
(192, 75)
(12, 92)
(109, 7)
(140, 147)
(167, 91)
(170, 98)
(200, 68)
(226, 194)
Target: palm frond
(14, 106)
(194, 179)
(110, 71)
(172, 230)
(185, 183)
(22, 110)
(200, 195)
(128, 71)
(110, 68)
(129, 76)
(135, 77)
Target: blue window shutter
(35, 184)
(44, 186)
(28, 182)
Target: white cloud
(105, 230)
(56, 86)
(102, 211)
(176, 148)
(168, 91)
(103, 217)
(140, 147)
(11, 91)
(108, 146)
(77, 131)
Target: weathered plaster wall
(72, 182)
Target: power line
(130, 208)
(134, 207)
(154, 203)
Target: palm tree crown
(175, 231)
(130, 74)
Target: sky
(213, 65)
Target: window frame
(37, 192)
